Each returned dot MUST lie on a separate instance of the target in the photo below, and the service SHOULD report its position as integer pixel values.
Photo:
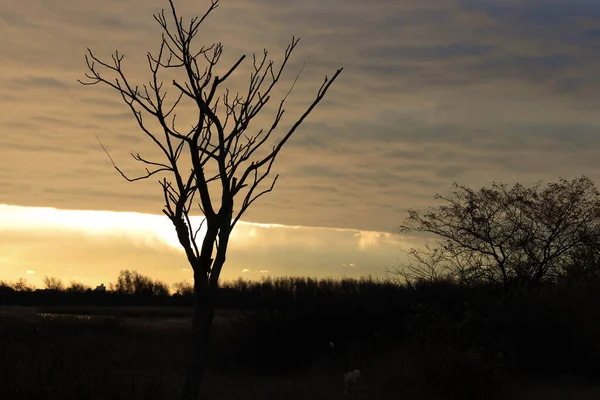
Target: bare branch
(282, 142)
(148, 172)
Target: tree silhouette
(134, 283)
(216, 159)
(507, 235)
(78, 287)
(21, 285)
(183, 288)
(53, 283)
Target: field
(271, 340)
(139, 353)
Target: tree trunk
(201, 325)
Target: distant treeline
(133, 288)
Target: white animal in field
(351, 378)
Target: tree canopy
(505, 234)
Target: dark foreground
(139, 353)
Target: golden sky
(92, 246)
(433, 91)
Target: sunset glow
(93, 246)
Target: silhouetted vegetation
(225, 167)
(53, 283)
(509, 237)
(433, 340)
(134, 283)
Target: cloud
(42, 82)
(368, 240)
(548, 13)
(428, 53)
(432, 91)
(95, 246)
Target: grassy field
(127, 352)
(139, 353)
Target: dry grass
(140, 354)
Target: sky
(433, 92)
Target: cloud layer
(433, 91)
(92, 247)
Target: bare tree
(78, 287)
(221, 158)
(53, 283)
(21, 285)
(134, 283)
(183, 288)
(424, 265)
(506, 235)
